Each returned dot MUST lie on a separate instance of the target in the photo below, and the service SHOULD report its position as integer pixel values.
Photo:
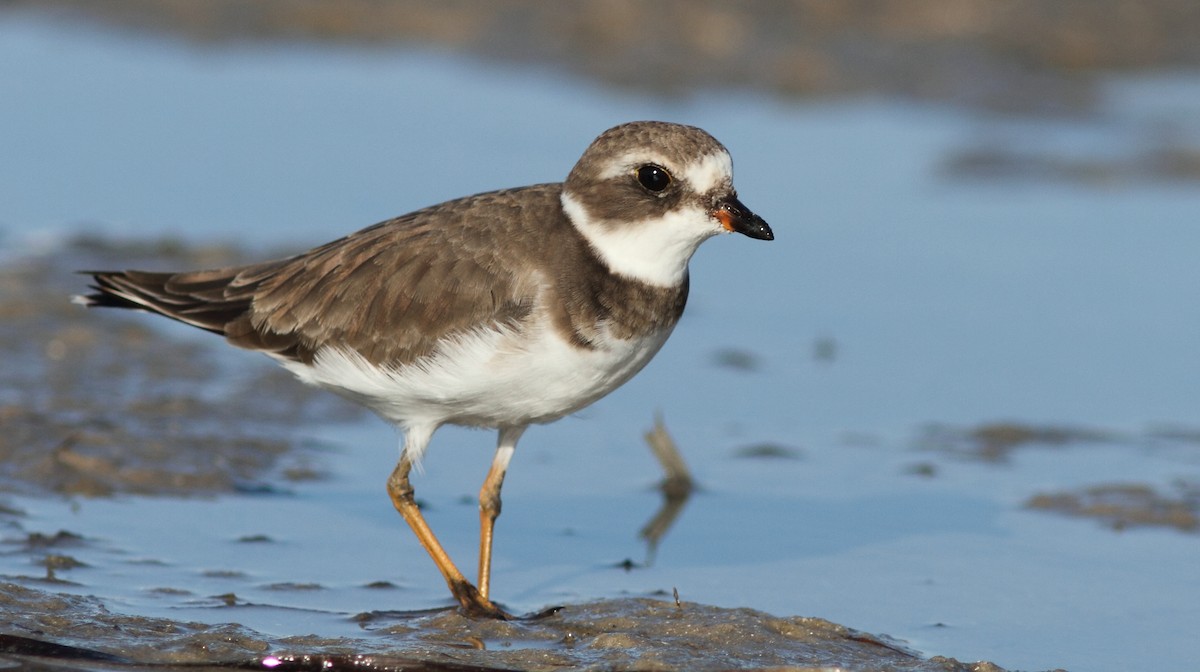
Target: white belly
(487, 378)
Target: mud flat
(51, 631)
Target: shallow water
(899, 294)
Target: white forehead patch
(711, 171)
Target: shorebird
(501, 310)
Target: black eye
(652, 177)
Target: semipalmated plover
(501, 310)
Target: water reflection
(676, 487)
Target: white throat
(653, 250)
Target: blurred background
(954, 401)
(1019, 56)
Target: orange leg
(489, 502)
(401, 492)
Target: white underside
(485, 378)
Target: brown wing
(388, 292)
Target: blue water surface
(938, 300)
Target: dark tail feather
(198, 298)
(218, 301)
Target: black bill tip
(736, 217)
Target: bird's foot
(475, 605)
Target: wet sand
(68, 632)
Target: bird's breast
(489, 377)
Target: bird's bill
(737, 218)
